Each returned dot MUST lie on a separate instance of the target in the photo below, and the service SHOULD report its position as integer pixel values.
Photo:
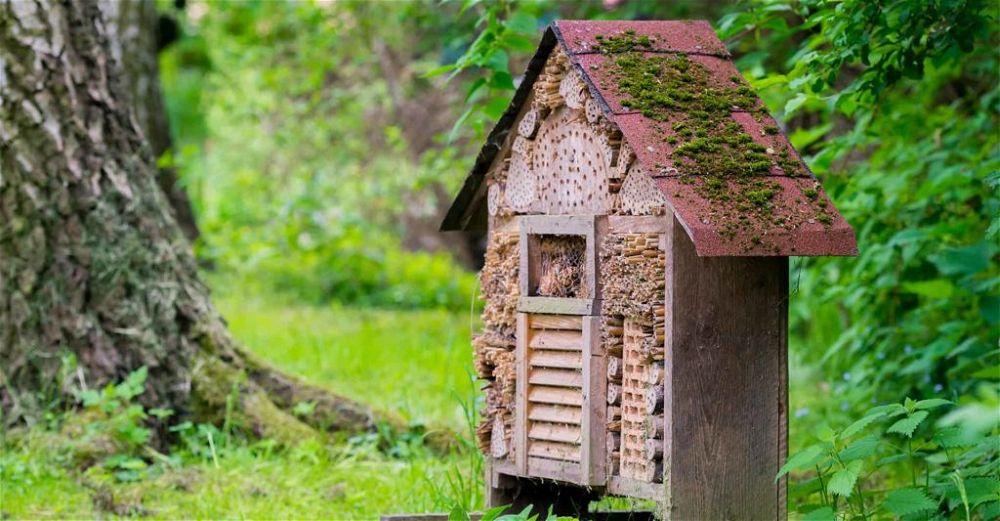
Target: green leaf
(437, 71)
(499, 61)
(522, 22)
(794, 103)
(458, 513)
(981, 490)
(931, 403)
(964, 261)
(936, 288)
(860, 425)
(842, 482)
(820, 514)
(907, 501)
(767, 81)
(907, 425)
(861, 448)
(805, 458)
(493, 513)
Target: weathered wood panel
(729, 391)
(556, 322)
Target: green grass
(415, 364)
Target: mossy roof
(796, 218)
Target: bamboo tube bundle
(633, 276)
(547, 85)
(500, 286)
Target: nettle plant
(894, 462)
(120, 423)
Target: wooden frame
(590, 470)
(532, 226)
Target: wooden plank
(554, 395)
(558, 224)
(520, 437)
(593, 456)
(556, 359)
(565, 340)
(556, 322)
(552, 450)
(555, 413)
(726, 352)
(638, 223)
(667, 245)
(622, 486)
(505, 224)
(554, 432)
(529, 259)
(556, 377)
(593, 266)
(558, 306)
(567, 471)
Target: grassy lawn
(417, 364)
(413, 364)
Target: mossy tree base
(95, 265)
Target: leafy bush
(948, 471)
(299, 152)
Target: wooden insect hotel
(640, 206)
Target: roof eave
(464, 204)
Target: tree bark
(93, 265)
(134, 33)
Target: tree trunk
(93, 265)
(133, 31)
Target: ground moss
(711, 151)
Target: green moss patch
(710, 149)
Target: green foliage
(912, 167)
(210, 472)
(118, 422)
(933, 467)
(311, 164)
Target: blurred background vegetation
(320, 143)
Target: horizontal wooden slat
(563, 340)
(557, 359)
(557, 377)
(558, 470)
(555, 395)
(555, 413)
(556, 322)
(559, 306)
(554, 432)
(557, 224)
(638, 224)
(552, 450)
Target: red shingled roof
(699, 216)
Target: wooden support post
(726, 405)
(520, 440)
